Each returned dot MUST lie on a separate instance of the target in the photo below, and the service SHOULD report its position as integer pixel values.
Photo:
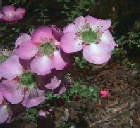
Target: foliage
(81, 62)
(78, 8)
(74, 92)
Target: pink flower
(44, 48)
(9, 14)
(90, 35)
(15, 92)
(21, 84)
(103, 93)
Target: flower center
(27, 79)
(89, 36)
(47, 48)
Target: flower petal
(57, 32)
(4, 114)
(11, 68)
(98, 23)
(42, 65)
(41, 34)
(59, 90)
(70, 28)
(107, 38)
(58, 62)
(11, 91)
(80, 22)
(105, 24)
(54, 83)
(1, 15)
(26, 50)
(22, 38)
(10, 20)
(97, 53)
(8, 10)
(1, 97)
(33, 98)
(70, 43)
(20, 12)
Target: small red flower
(103, 94)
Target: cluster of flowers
(33, 66)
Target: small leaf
(91, 89)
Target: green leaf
(3, 28)
(119, 42)
(91, 89)
(32, 111)
(83, 88)
(133, 34)
(48, 95)
(77, 59)
(74, 12)
(83, 94)
(92, 2)
(76, 85)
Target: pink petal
(70, 43)
(91, 21)
(41, 65)
(70, 28)
(26, 50)
(97, 53)
(42, 113)
(107, 38)
(1, 15)
(95, 23)
(21, 39)
(33, 98)
(11, 91)
(58, 62)
(41, 35)
(11, 68)
(4, 114)
(57, 32)
(60, 91)
(10, 20)
(54, 83)
(20, 12)
(105, 24)
(8, 10)
(80, 22)
(1, 97)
